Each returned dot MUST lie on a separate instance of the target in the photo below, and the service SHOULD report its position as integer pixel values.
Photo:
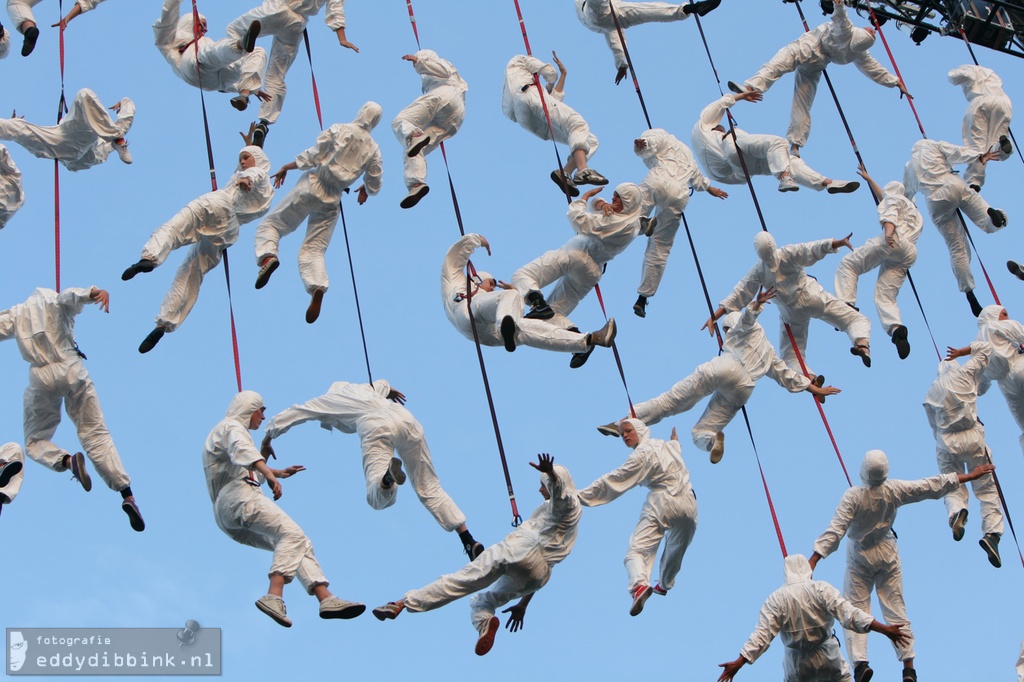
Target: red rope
(56, 164)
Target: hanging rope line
(470, 273)
(1006, 510)
(62, 108)
(341, 213)
(197, 32)
(764, 483)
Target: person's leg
(44, 142)
(91, 112)
(985, 487)
(677, 539)
(20, 12)
(889, 588)
(976, 208)
(798, 325)
(579, 279)
(635, 13)
(854, 264)
(10, 453)
(955, 500)
(182, 229)
(283, 219)
(643, 547)
(659, 245)
(415, 455)
(245, 76)
(42, 417)
(891, 275)
(375, 440)
(784, 61)
(805, 176)
(283, 52)
(546, 336)
(472, 577)
(202, 257)
(83, 408)
(844, 318)
(732, 394)
(857, 585)
(805, 87)
(943, 213)
(312, 261)
(683, 395)
(542, 271)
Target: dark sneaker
(416, 147)
(648, 225)
(333, 607)
(842, 186)
(134, 515)
(958, 523)
(416, 193)
(508, 333)
(909, 675)
(313, 311)
(640, 596)
(609, 429)
(79, 472)
(153, 338)
(486, 639)
(8, 470)
(604, 336)
(1004, 145)
(1015, 268)
(589, 176)
(998, 217)
(580, 359)
(701, 8)
(863, 352)
(251, 34)
(389, 611)
(819, 381)
(990, 543)
(240, 102)
(31, 36)
(259, 135)
(394, 474)
(899, 337)
(473, 550)
(973, 300)
(144, 265)
(827, 7)
(640, 307)
(270, 264)
(565, 183)
(736, 87)
(862, 672)
(659, 590)
(539, 308)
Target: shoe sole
(259, 136)
(706, 9)
(240, 103)
(566, 189)
(251, 34)
(82, 475)
(794, 188)
(992, 552)
(414, 199)
(475, 551)
(486, 640)
(718, 449)
(508, 333)
(395, 469)
(600, 182)
(345, 613)
(1015, 269)
(959, 525)
(382, 614)
(543, 313)
(265, 272)
(845, 189)
(136, 269)
(149, 343)
(606, 431)
(280, 620)
(313, 311)
(638, 603)
(10, 471)
(31, 36)
(418, 147)
(639, 311)
(899, 337)
(862, 353)
(134, 517)
(1004, 145)
(580, 359)
(997, 217)
(866, 677)
(735, 87)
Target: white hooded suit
(12, 452)
(1006, 364)
(597, 16)
(12, 196)
(988, 115)
(20, 11)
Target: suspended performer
(21, 15)
(865, 514)
(835, 42)
(43, 326)
(515, 568)
(729, 379)
(340, 156)
(803, 612)
(225, 65)
(761, 154)
(987, 120)
(235, 470)
(385, 428)
(929, 171)
(83, 138)
(12, 461)
(432, 118)
(800, 297)
(12, 196)
(497, 310)
(210, 224)
(951, 406)
(673, 175)
(597, 16)
(893, 253)
(669, 512)
(521, 102)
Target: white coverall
(341, 154)
(597, 16)
(385, 429)
(892, 262)
(12, 196)
(521, 102)
(285, 20)
(518, 565)
(241, 509)
(865, 514)
(763, 154)
(1006, 364)
(12, 452)
(5, 44)
(20, 11)
(728, 378)
(437, 113)
(987, 118)
(491, 307)
(669, 512)
(673, 172)
(798, 296)
(577, 266)
(834, 42)
(1020, 664)
(928, 172)
(210, 223)
(83, 137)
(44, 328)
(222, 65)
(803, 612)
(951, 406)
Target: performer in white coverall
(341, 155)
(374, 412)
(865, 514)
(285, 20)
(597, 16)
(83, 138)
(729, 379)
(43, 327)
(834, 42)
(673, 175)
(951, 406)
(521, 102)
(893, 253)
(800, 297)
(498, 309)
(517, 566)
(987, 120)
(12, 460)
(235, 470)
(432, 118)
(1006, 364)
(803, 612)
(210, 224)
(761, 154)
(24, 20)
(12, 196)
(225, 65)
(929, 171)
(669, 512)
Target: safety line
(197, 34)
(764, 482)
(629, 63)
(61, 110)
(976, 63)
(517, 519)
(341, 212)
(1006, 510)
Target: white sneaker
(274, 607)
(842, 186)
(122, 151)
(788, 184)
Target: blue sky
(72, 560)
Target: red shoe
(640, 596)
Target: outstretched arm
(730, 668)
(517, 613)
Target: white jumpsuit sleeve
(321, 151)
(613, 484)
(807, 253)
(241, 448)
(791, 380)
(931, 488)
(335, 16)
(322, 409)
(429, 65)
(769, 624)
(744, 291)
(87, 5)
(712, 114)
(374, 174)
(453, 276)
(165, 30)
(870, 67)
(74, 299)
(828, 541)
(7, 325)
